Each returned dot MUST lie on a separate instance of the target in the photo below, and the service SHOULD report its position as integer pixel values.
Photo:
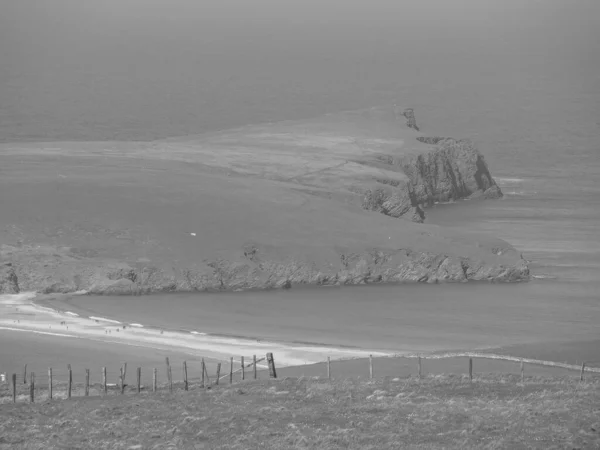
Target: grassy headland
(332, 200)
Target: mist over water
(519, 77)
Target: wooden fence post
(231, 370)
(104, 387)
(49, 383)
(87, 382)
(25, 374)
(14, 386)
(218, 373)
(255, 369)
(271, 362)
(371, 366)
(471, 369)
(154, 380)
(124, 372)
(329, 367)
(32, 387)
(70, 381)
(169, 379)
(203, 367)
(522, 371)
(243, 370)
(122, 381)
(139, 379)
(185, 378)
(582, 370)
(420, 367)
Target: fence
(61, 385)
(466, 363)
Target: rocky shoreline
(396, 184)
(394, 267)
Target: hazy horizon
(143, 69)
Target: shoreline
(29, 314)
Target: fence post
(207, 377)
(243, 370)
(582, 370)
(14, 385)
(139, 379)
(25, 374)
(254, 364)
(169, 379)
(522, 371)
(185, 379)
(371, 366)
(124, 372)
(104, 389)
(218, 373)
(32, 387)
(87, 382)
(203, 367)
(231, 370)
(271, 361)
(70, 381)
(420, 367)
(49, 383)
(122, 381)
(154, 380)
(471, 369)
(329, 367)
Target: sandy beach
(65, 337)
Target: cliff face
(452, 170)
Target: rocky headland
(340, 199)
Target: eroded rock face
(9, 282)
(454, 170)
(411, 122)
(259, 271)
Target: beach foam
(102, 319)
(507, 181)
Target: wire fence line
(60, 384)
(584, 367)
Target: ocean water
(523, 81)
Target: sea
(521, 80)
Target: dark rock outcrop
(431, 140)
(9, 282)
(411, 122)
(453, 170)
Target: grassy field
(437, 412)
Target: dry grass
(437, 412)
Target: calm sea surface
(531, 104)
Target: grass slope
(437, 412)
